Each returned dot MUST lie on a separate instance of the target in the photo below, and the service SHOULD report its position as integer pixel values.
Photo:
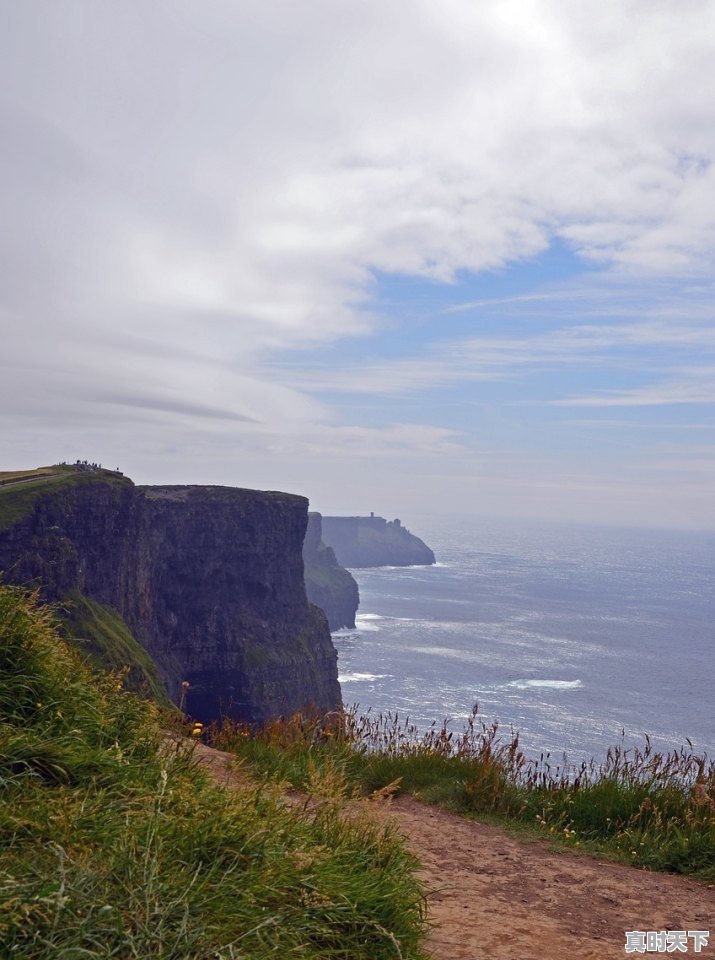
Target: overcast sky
(395, 255)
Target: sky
(393, 255)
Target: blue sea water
(574, 636)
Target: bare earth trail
(491, 897)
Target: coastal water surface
(575, 636)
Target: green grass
(100, 631)
(12, 476)
(322, 576)
(18, 499)
(650, 809)
(115, 844)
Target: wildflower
(185, 684)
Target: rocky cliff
(328, 585)
(208, 580)
(374, 542)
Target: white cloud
(489, 358)
(696, 387)
(189, 187)
(260, 162)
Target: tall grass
(115, 844)
(650, 808)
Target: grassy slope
(114, 846)
(17, 498)
(644, 808)
(96, 629)
(102, 633)
(12, 476)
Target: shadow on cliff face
(209, 580)
(328, 585)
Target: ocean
(577, 637)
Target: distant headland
(374, 542)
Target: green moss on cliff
(100, 631)
(324, 576)
(20, 490)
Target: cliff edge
(374, 542)
(208, 580)
(328, 585)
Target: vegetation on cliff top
(20, 489)
(114, 844)
(646, 808)
(95, 628)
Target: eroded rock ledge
(328, 585)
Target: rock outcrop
(374, 542)
(209, 580)
(328, 585)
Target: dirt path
(502, 899)
(491, 897)
(14, 483)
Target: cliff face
(208, 579)
(328, 585)
(374, 542)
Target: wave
(356, 677)
(550, 684)
(365, 622)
